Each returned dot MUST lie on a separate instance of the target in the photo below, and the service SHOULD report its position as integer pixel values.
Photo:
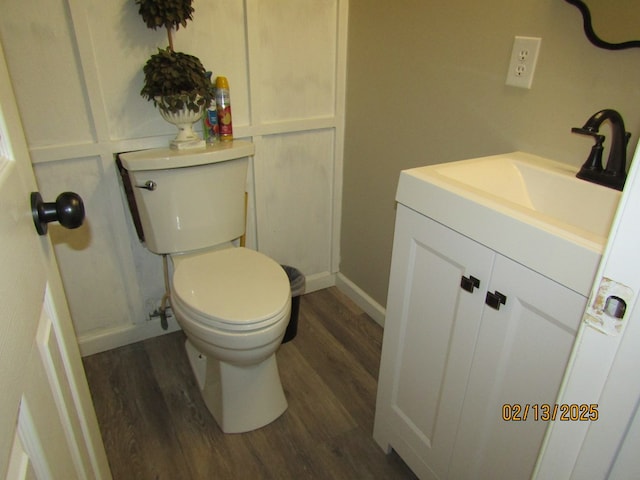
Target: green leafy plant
(173, 80)
(169, 14)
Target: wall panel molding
(286, 63)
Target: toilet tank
(188, 200)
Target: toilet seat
(234, 289)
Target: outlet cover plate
(524, 57)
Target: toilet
(233, 303)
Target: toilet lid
(234, 285)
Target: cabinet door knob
(494, 300)
(470, 283)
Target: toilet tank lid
(166, 158)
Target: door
(430, 332)
(48, 428)
(604, 366)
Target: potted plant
(176, 82)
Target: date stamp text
(545, 412)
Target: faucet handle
(588, 131)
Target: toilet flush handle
(148, 185)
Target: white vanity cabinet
(450, 361)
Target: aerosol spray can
(223, 102)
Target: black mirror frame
(591, 34)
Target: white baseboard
(115, 337)
(319, 281)
(360, 298)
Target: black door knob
(68, 209)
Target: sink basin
(523, 206)
(539, 185)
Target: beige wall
(426, 84)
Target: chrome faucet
(614, 174)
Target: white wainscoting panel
(76, 68)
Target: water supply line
(243, 238)
(166, 298)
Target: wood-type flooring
(155, 425)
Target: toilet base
(240, 398)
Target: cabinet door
(520, 358)
(430, 332)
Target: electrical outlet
(524, 57)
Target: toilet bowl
(233, 305)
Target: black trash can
(297, 281)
